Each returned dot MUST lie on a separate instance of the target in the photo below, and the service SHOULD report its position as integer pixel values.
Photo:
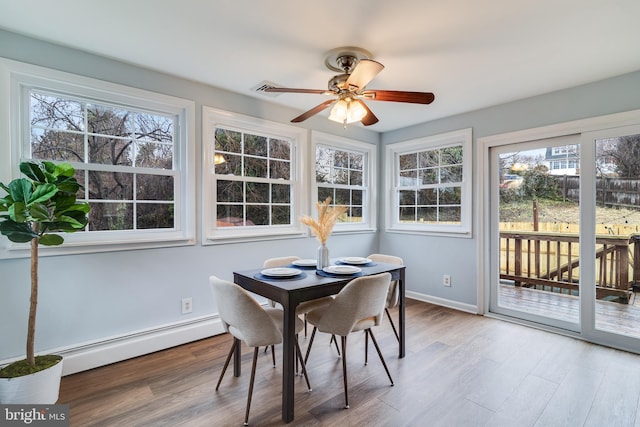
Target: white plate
(355, 260)
(281, 272)
(342, 269)
(305, 262)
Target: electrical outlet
(187, 305)
(446, 280)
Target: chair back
(362, 298)
(280, 261)
(242, 316)
(393, 295)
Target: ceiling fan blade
(370, 118)
(399, 96)
(293, 90)
(365, 71)
(315, 110)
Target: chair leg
(375, 343)
(273, 355)
(253, 376)
(335, 341)
(344, 371)
(305, 325)
(226, 362)
(313, 334)
(304, 367)
(395, 331)
(366, 348)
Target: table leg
(288, 361)
(401, 316)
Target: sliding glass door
(565, 233)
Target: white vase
(41, 388)
(323, 257)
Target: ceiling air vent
(260, 87)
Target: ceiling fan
(349, 88)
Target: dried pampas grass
(327, 217)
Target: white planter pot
(41, 388)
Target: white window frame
(369, 179)
(213, 118)
(19, 78)
(393, 151)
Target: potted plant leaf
(33, 210)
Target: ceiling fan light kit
(357, 70)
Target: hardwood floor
(460, 370)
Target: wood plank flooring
(460, 370)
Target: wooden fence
(610, 192)
(550, 261)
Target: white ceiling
(470, 53)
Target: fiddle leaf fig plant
(33, 210)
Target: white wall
(108, 306)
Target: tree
(627, 156)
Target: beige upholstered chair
(246, 320)
(358, 306)
(393, 295)
(306, 306)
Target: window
(431, 181)
(344, 171)
(252, 181)
(130, 149)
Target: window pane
(151, 127)
(451, 174)
(229, 141)
(110, 216)
(229, 191)
(156, 156)
(429, 159)
(342, 197)
(154, 215)
(110, 185)
(408, 178)
(108, 121)
(281, 215)
(452, 155)
(56, 145)
(255, 145)
(341, 176)
(428, 196)
(279, 149)
(258, 214)
(280, 170)
(451, 196)
(255, 167)
(154, 187)
(232, 166)
(428, 176)
(407, 214)
(341, 159)
(428, 214)
(356, 197)
(407, 197)
(110, 151)
(280, 193)
(356, 161)
(229, 215)
(56, 113)
(355, 178)
(257, 192)
(408, 161)
(324, 192)
(450, 214)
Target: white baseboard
(104, 352)
(468, 308)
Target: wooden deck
(610, 316)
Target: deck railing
(550, 261)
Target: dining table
(306, 284)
